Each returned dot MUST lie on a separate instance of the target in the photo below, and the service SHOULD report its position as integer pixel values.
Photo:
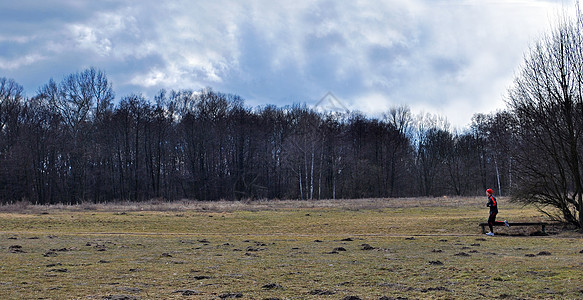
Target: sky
(453, 58)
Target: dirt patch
(432, 289)
(351, 298)
(187, 292)
(61, 270)
(231, 295)
(272, 286)
(252, 249)
(120, 297)
(16, 249)
(53, 265)
(367, 247)
(318, 292)
(63, 249)
(50, 254)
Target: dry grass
(408, 248)
(245, 205)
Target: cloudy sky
(449, 57)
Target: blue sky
(448, 57)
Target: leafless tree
(547, 101)
(11, 96)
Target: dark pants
(492, 221)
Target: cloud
(15, 63)
(451, 57)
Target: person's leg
(491, 221)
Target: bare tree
(400, 120)
(11, 106)
(547, 101)
(79, 97)
(11, 96)
(432, 140)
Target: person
(493, 205)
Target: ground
(344, 249)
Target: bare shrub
(16, 207)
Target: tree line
(73, 142)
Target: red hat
(489, 191)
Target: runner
(493, 205)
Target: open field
(372, 248)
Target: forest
(74, 142)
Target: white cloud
(87, 38)
(152, 78)
(11, 64)
(373, 104)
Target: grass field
(372, 248)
